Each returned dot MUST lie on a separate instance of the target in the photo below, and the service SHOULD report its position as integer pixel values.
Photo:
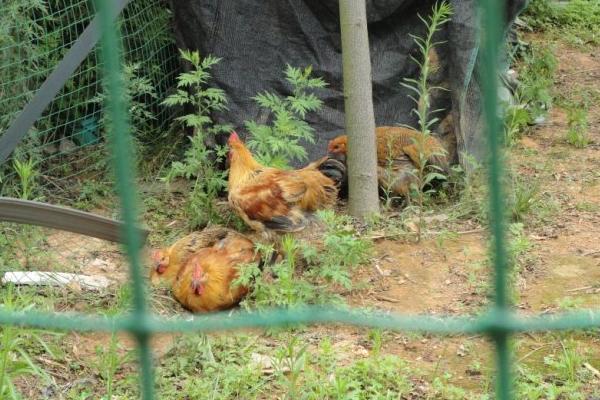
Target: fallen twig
(532, 352)
(592, 369)
(386, 298)
(583, 71)
(580, 289)
(591, 253)
(408, 278)
(430, 233)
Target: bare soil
(447, 277)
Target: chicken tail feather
(335, 170)
(284, 224)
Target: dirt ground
(448, 276)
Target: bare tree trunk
(363, 196)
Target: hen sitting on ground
(201, 266)
(398, 155)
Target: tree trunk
(363, 196)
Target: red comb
(233, 136)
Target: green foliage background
(68, 141)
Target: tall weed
(279, 142)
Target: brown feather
(179, 252)
(400, 146)
(220, 264)
(269, 199)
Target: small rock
(66, 145)
(50, 149)
(436, 218)
(412, 226)
(262, 361)
(461, 351)
(382, 272)
(473, 372)
(74, 286)
(267, 364)
(529, 143)
(99, 263)
(49, 392)
(539, 120)
(361, 351)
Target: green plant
(111, 358)
(569, 303)
(282, 284)
(524, 196)
(516, 119)
(200, 162)
(186, 371)
(343, 250)
(34, 37)
(519, 243)
(27, 174)
(17, 346)
(518, 249)
(426, 173)
(576, 21)
(92, 193)
(560, 376)
(577, 120)
(138, 93)
(566, 366)
(276, 144)
(278, 284)
(289, 362)
(372, 378)
(539, 14)
(536, 69)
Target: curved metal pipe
(63, 218)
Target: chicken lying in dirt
(272, 200)
(167, 262)
(201, 267)
(397, 155)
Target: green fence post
(122, 152)
(492, 36)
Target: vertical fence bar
(491, 21)
(122, 152)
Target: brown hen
(167, 262)
(204, 283)
(397, 155)
(272, 200)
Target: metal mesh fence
(68, 141)
(498, 323)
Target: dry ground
(444, 274)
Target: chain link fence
(71, 252)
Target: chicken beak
(160, 268)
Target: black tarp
(257, 38)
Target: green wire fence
(499, 323)
(68, 140)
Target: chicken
(167, 262)
(397, 155)
(204, 283)
(271, 200)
